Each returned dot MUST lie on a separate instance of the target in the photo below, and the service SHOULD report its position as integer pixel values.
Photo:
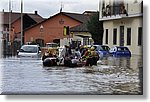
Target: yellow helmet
(85, 46)
(92, 48)
(49, 50)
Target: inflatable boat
(50, 61)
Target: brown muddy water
(111, 76)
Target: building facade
(123, 23)
(11, 29)
(52, 29)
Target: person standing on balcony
(123, 10)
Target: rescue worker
(91, 57)
(87, 57)
(95, 56)
(86, 54)
(84, 50)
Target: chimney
(36, 12)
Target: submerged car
(32, 51)
(120, 51)
(102, 50)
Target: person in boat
(50, 57)
(77, 53)
(68, 50)
(71, 59)
(81, 48)
(76, 57)
(68, 56)
(50, 53)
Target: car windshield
(29, 49)
(98, 48)
(122, 49)
(105, 48)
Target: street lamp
(21, 23)
(41, 31)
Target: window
(116, 7)
(128, 36)
(140, 36)
(106, 40)
(115, 36)
(85, 41)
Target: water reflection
(132, 63)
(110, 76)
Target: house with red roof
(41, 31)
(14, 19)
(51, 29)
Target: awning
(82, 36)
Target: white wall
(132, 23)
(1, 29)
(134, 8)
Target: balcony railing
(113, 11)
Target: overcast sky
(47, 8)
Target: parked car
(102, 50)
(120, 51)
(32, 51)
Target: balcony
(112, 12)
(116, 12)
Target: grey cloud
(47, 8)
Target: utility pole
(9, 18)
(9, 29)
(21, 23)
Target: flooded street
(110, 76)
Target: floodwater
(110, 76)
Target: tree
(95, 27)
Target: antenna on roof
(61, 7)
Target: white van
(52, 45)
(32, 51)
